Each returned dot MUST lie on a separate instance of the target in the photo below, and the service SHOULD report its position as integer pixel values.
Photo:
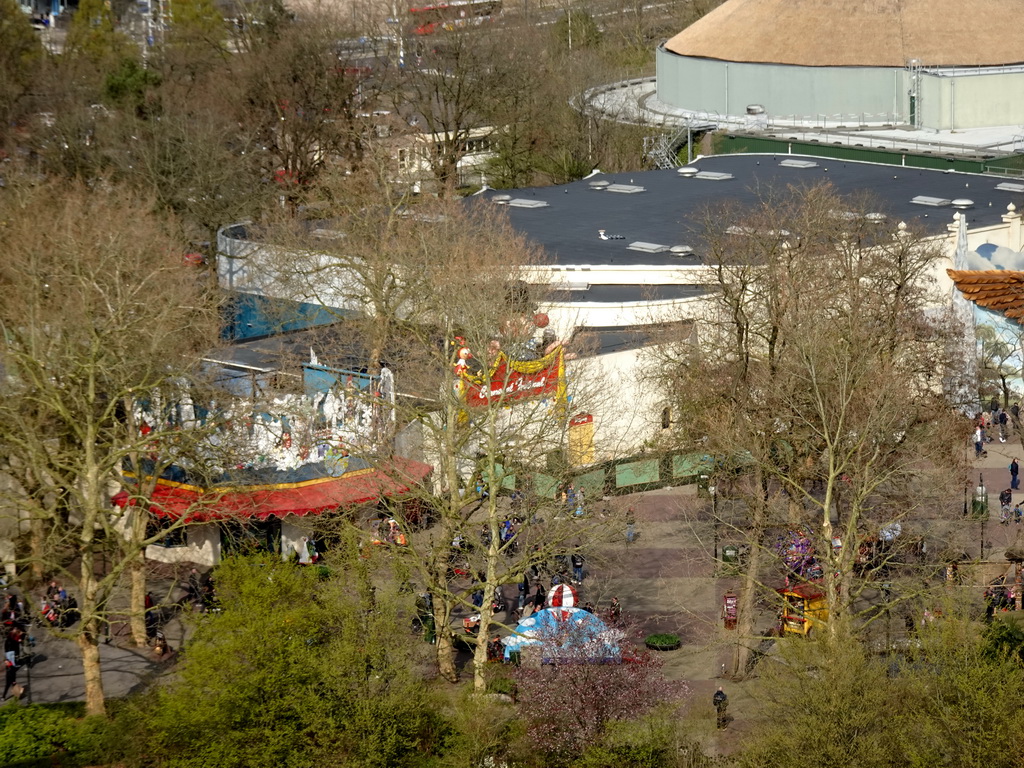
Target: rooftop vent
(501, 199)
(1010, 186)
(735, 229)
(755, 109)
(625, 189)
(688, 171)
(962, 202)
(577, 287)
(681, 250)
(640, 245)
(327, 234)
(599, 184)
(789, 163)
(874, 217)
(932, 202)
(714, 176)
(522, 202)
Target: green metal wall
(728, 87)
(727, 144)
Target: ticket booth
(803, 608)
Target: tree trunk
(137, 609)
(746, 617)
(491, 564)
(133, 552)
(37, 537)
(483, 635)
(445, 647)
(88, 644)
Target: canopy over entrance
(308, 497)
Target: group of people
(1000, 597)
(58, 608)
(200, 592)
(995, 420)
(1005, 503)
(575, 500)
(15, 627)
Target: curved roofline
(880, 33)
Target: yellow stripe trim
(248, 488)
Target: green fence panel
(637, 473)
(688, 466)
(592, 483)
(545, 486)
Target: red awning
(309, 497)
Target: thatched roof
(850, 33)
(1000, 290)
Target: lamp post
(713, 490)
(980, 510)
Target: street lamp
(979, 507)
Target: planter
(663, 642)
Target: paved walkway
(665, 580)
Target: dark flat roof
(667, 211)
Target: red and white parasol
(562, 596)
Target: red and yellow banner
(510, 380)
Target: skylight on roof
(522, 202)
(327, 234)
(713, 176)
(793, 163)
(625, 189)
(640, 245)
(1010, 186)
(932, 202)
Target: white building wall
(295, 531)
(202, 547)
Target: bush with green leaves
(40, 731)
(662, 642)
(296, 670)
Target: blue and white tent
(566, 633)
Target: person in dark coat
(721, 702)
(538, 597)
(577, 567)
(1014, 474)
(10, 676)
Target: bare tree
(101, 312)
(819, 371)
(443, 292)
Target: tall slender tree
(101, 313)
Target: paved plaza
(666, 581)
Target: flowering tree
(568, 705)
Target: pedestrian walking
(1014, 474)
(577, 567)
(539, 597)
(615, 611)
(630, 526)
(524, 591)
(1005, 502)
(1003, 424)
(10, 676)
(721, 702)
(979, 442)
